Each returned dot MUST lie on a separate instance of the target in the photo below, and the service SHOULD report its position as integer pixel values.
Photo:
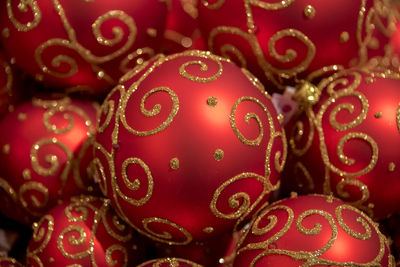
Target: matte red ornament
(82, 232)
(189, 145)
(45, 151)
(345, 144)
(312, 230)
(9, 262)
(182, 31)
(297, 39)
(81, 45)
(168, 262)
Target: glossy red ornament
(82, 232)
(168, 262)
(312, 230)
(81, 45)
(189, 146)
(182, 31)
(296, 39)
(45, 151)
(9, 262)
(345, 144)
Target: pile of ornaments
(199, 133)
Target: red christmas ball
(345, 144)
(167, 262)
(46, 148)
(299, 39)
(82, 232)
(312, 230)
(181, 30)
(189, 145)
(81, 45)
(9, 262)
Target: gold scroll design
(33, 202)
(299, 133)
(171, 262)
(42, 233)
(24, 6)
(268, 6)
(349, 91)
(380, 17)
(165, 237)
(73, 44)
(8, 190)
(76, 235)
(241, 201)
(141, 54)
(271, 72)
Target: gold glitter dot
(371, 205)
(369, 80)
(208, 230)
(391, 166)
(186, 42)
(174, 163)
(374, 43)
(134, 247)
(152, 32)
(6, 149)
(218, 154)
(212, 101)
(51, 259)
(139, 61)
(329, 199)
(21, 116)
(280, 118)
(293, 194)
(90, 188)
(378, 115)
(59, 202)
(6, 32)
(309, 11)
(100, 74)
(344, 37)
(12, 60)
(26, 174)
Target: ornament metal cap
(307, 94)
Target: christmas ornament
(45, 153)
(169, 262)
(312, 230)
(297, 39)
(183, 131)
(9, 262)
(81, 45)
(82, 232)
(344, 144)
(181, 30)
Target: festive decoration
(81, 45)
(312, 230)
(297, 39)
(9, 262)
(45, 151)
(182, 30)
(82, 232)
(183, 131)
(169, 262)
(344, 145)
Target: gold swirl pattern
(108, 109)
(149, 113)
(136, 56)
(110, 250)
(77, 237)
(216, 5)
(234, 201)
(298, 132)
(203, 67)
(360, 203)
(165, 236)
(135, 185)
(77, 208)
(363, 220)
(23, 7)
(42, 232)
(58, 60)
(8, 189)
(228, 48)
(271, 217)
(291, 54)
(34, 202)
(298, 166)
